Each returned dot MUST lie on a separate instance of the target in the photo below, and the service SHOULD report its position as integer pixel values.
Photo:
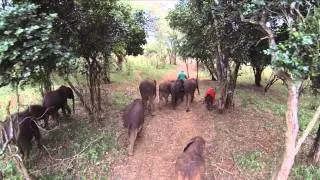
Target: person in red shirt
(210, 98)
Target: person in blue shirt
(182, 76)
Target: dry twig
(74, 156)
(218, 167)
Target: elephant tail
(197, 81)
(155, 85)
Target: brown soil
(164, 136)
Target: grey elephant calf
(57, 99)
(21, 129)
(190, 87)
(177, 92)
(165, 91)
(133, 118)
(148, 92)
(190, 165)
(38, 112)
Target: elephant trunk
(73, 104)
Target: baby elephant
(165, 91)
(133, 118)
(21, 129)
(148, 92)
(57, 99)
(37, 112)
(190, 164)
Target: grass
(275, 100)
(27, 95)
(250, 161)
(92, 144)
(306, 172)
(141, 67)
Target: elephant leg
(139, 131)
(160, 99)
(192, 97)
(174, 101)
(152, 104)
(132, 138)
(24, 146)
(149, 105)
(64, 112)
(55, 116)
(188, 103)
(66, 106)
(166, 98)
(145, 103)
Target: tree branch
(308, 130)
(266, 37)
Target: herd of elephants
(22, 127)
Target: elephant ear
(195, 145)
(190, 142)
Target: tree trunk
(233, 76)
(257, 75)
(291, 132)
(210, 67)
(46, 80)
(106, 71)
(119, 61)
(175, 58)
(187, 68)
(219, 54)
(197, 70)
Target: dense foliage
(28, 50)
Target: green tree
(259, 60)
(28, 51)
(293, 60)
(214, 35)
(173, 45)
(133, 37)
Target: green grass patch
(250, 161)
(306, 172)
(120, 100)
(27, 95)
(141, 67)
(9, 169)
(90, 143)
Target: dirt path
(163, 137)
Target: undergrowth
(250, 161)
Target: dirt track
(163, 137)
(229, 135)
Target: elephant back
(148, 88)
(54, 99)
(133, 115)
(66, 91)
(190, 85)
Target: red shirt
(211, 92)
